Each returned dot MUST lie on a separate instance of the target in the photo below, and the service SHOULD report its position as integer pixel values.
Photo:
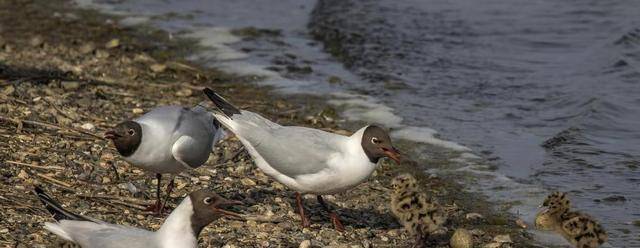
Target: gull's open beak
(220, 205)
(392, 153)
(111, 135)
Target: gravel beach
(68, 75)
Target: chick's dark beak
(392, 153)
(111, 134)
(224, 203)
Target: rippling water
(506, 76)
(547, 91)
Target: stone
(87, 48)
(504, 238)
(70, 85)
(112, 44)
(36, 41)
(157, 68)
(88, 127)
(137, 111)
(305, 244)
(247, 182)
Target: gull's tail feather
(223, 105)
(58, 230)
(54, 207)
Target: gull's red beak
(392, 153)
(111, 135)
(223, 203)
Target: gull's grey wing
(293, 151)
(190, 152)
(94, 235)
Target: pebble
(137, 111)
(461, 239)
(23, 174)
(112, 44)
(184, 92)
(87, 48)
(492, 245)
(36, 41)
(102, 54)
(505, 238)
(70, 85)
(305, 244)
(88, 127)
(473, 216)
(247, 182)
(157, 68)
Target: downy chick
(419, 214)
(578, 228)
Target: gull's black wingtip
(223, 105)
(54, 208)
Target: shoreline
(71, 73)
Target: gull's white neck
(356, 163)
(176, 231)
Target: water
(545, 92)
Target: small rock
(70, 85)
(384, 238)
(88, 127)
(106, 180)
(492, 245)
(142, 58)
(157, 68)
(247, 182)
(505, 238)
(132, 188)
(473, 216)
(23, 174)
(112, 44)
(184, 92)
(305, 244)
(36, 41)
(101, 54)
(461, 239)
(64, 121)
(87, 48)
(137, 111)
(477, 232)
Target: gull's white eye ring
(131, 132)
(375, 140)
(207, 200)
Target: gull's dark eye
(375, 140)
(207, 200)
(131, 132)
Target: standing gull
(309, 161)
(180, 229)
(167, 139)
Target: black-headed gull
(180, 229)
(307, 160)
(167, 139)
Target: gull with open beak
(180, 229)
(307, 160)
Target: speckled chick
(419, 214)
(578, 228)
